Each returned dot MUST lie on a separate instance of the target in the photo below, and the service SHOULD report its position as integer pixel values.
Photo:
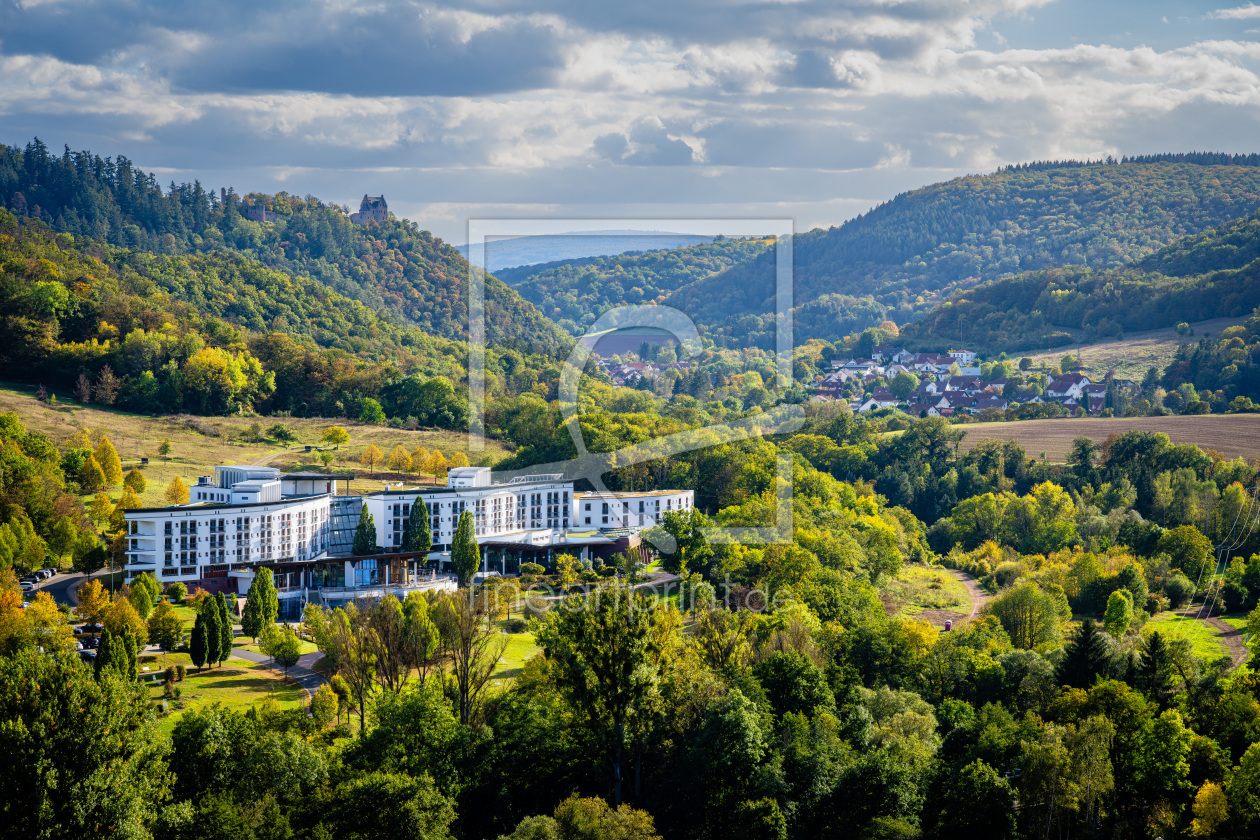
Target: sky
(797, 109)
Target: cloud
(646, 144)
(561, 107)
(1251, 10)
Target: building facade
(248, 517)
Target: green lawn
(246, 643)
(234, 685)
(919, 587)
(1204, 639)
(521, 646)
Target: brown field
(1233, 435)
(199, 443)
(1131, 356)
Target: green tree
(365, 534)
(225, 627)
(198, 649)
(1154, 672)
(324, 705)
(1119, 613)
(419, 534)
(336, 435)
(164, 449)
(213, 628)
(370, 412)
(286, 649)
(385, 806)
(165, 627)
(977, 803)
(82, 757)
(1085, 658)
(141, 600)
(262, 604)
(903, 384)
(1028, 614)
(107, 657)
(683, 546)
(465, 557)
(607, 661)
(1188, 550)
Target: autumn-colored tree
(91, 476)
(101, 509)
(94, 601)
(400, 460)
(436, 466)
(107, 387)
(1210, 810)
(371, 457)
(135, 480)
(176, 492)
(121, 616)
(107, 457)
(336, 435)
(459, 459)
(419, 460)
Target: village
(954, 383)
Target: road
(301, 674)
(62, 586)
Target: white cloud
(1251, 10)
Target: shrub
(176, 592)
(180, 672)
(171, 674)
(516, 625)
(1179, 589)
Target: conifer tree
(135, 480)
(197, 644)
(365, 534)
(130, 664)
(262, 605)
(1085, 657)
(177, 492)
(212, 620)
(419, 535)
(91, 476)
(225, 627)
(107, 457)
(465, 558)
(105, 652)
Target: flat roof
(303, 474)
(612, 494)
(205, 506)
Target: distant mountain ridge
(522, 251)
(911, 253)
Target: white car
(27, 586)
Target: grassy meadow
(198, 444)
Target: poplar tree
(107, 456)
(262, 605)
(365, 534)
(465, 559)
(225, 627)
(197, 644)
(105, 652)
(210, 616)
(418, 536)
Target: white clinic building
(296, 524)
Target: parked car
(92, 628)
(27, 586)
(88, 656)
(50, 570)
(94, 642)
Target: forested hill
(400, 271)
(1209, 275)
(207, 333)
(576, 292)
(909, 254)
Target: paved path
(978, 595)
(64, 587)
(303, 676)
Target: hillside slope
(909, 254)
(400, 271)
(1215, 274)
(576, 292)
